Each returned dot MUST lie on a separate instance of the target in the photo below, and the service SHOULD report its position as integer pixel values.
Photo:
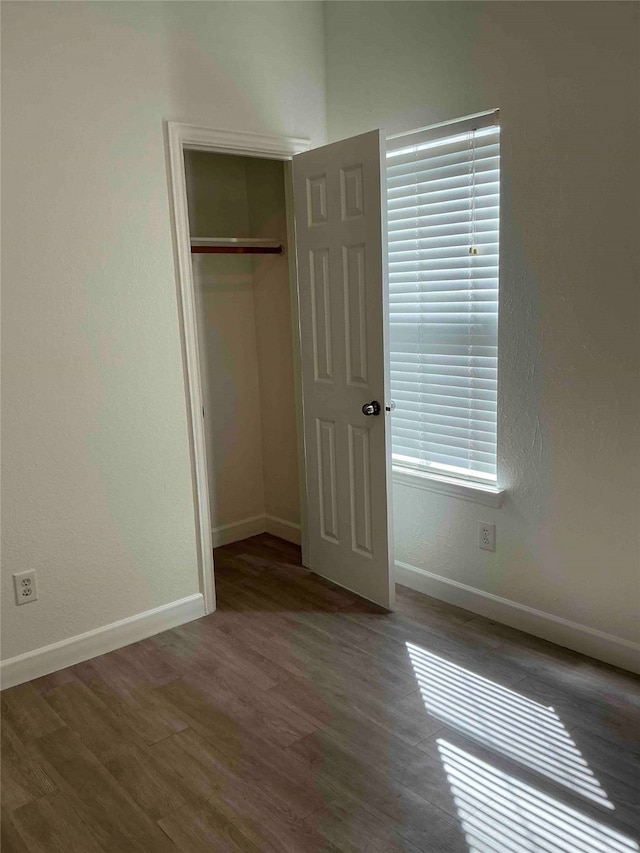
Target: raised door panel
(321, 328)
(317, 200)
(327, 479)
(360, 490)
(352, 192)
(355, 310)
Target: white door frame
(179, 137)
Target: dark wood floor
(299, 718)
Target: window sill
(477, 492)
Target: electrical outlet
(25, 586)
(487, 536)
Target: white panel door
(343, 322)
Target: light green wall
(245, 339)
(223, 284)
(272, 301)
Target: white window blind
(443, 192)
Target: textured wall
(565, 77)
(96, 475)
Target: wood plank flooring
(300, 718)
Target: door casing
(178, 138)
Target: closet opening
(283, 337)
(243, 270)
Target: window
(443, 191)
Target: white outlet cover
(487, 536)
(25, 587)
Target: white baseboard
(246, 527)
(571, 635)
(284, 529)
(243, 529)
(74, 650)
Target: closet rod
(237, 250)
(236, 245)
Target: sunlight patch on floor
(511, 724)
(518, 817)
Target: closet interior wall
(246, 350)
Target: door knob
(372, 408)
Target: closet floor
(298, 717)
